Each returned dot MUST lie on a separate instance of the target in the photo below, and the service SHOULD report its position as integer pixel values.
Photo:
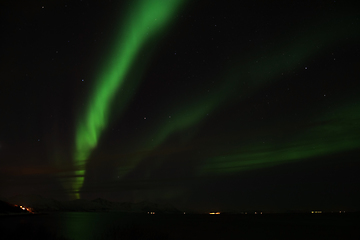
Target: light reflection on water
(79, 225)
(103, 226)
(69, 225)
(87, 226)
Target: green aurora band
(257, 71)
(334, 132)
(145, 20)
(261, 72)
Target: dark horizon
(37, 204)
(220, 105)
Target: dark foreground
(89, 226)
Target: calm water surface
(72, 225)
(89, 226)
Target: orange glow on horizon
(28, 209)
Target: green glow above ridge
(144, 21)
(335, 132)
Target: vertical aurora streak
(145, 20)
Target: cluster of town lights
(316, 211)
(25, 208)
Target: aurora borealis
(143, 22)
(194, 103)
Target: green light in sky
(272, 63)
(336, 131)
(144, 21)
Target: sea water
(106, 225)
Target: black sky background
(49, 48)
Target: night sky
(207, 105)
